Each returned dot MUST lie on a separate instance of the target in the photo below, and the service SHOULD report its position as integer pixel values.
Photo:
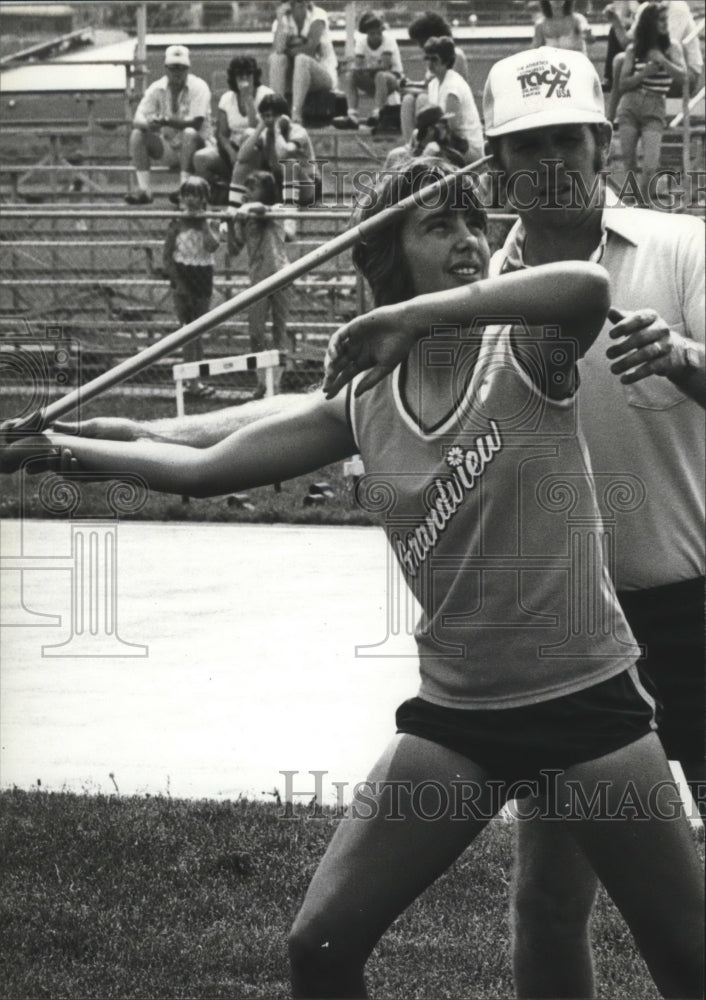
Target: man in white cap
(641, 409)
(172, 121)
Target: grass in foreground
(104, 896)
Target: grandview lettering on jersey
(467, 467)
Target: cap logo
(554, 78)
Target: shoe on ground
(345, 122)
(373, 121)
(139, 197)
(259, 392)
(174, 197)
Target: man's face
(177, 75)
(540, 163)
(374, 38)
(444, 249)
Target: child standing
(189, 254)
(265, 236)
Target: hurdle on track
(224, 366)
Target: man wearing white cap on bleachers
(172, 121)
(641, 411)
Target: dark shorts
(669, 622)
(518, 744)
(643, 110)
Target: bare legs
(650, 868)
(377, 865)
(146, 146)
(306, 74)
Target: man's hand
(648, 347)
(379, 340)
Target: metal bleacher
(74, 256)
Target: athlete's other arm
(572, 295)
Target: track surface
(251, 665)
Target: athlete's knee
(677, 966)
(318, 960)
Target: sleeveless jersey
(492, 518)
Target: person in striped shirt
(652, 62)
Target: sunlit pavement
(251, 665)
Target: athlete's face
(444, 249)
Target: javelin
(45, 416)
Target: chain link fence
(96, 274)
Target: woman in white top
(428, 25)
(567, 30)
(237, 119)
(303, 58)
(449, 91)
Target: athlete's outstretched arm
(197, 430)
(268, 451)
(572, 295)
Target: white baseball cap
(539, 87)
(177, 55)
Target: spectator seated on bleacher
(303, 58)
(414, 93)
(237, 118)
(172, 121)
(448, 90)
(377, 71)
(283, 148)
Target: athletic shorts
(669, 622)
(518, 744)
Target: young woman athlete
(472, 451)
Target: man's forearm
(201, 430)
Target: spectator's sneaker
(345, 122)
(374, 120)
(174, 197)
(139, 197)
